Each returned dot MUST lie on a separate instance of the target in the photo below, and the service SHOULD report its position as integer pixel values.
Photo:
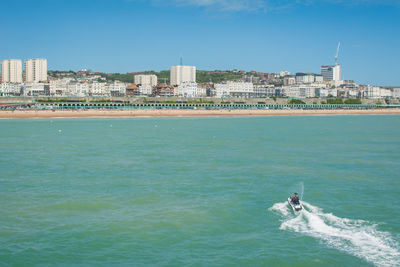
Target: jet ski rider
(295, 198)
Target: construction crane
(337, 54)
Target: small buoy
(59, 131)
(111, 125)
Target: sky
(263, 35)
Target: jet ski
(295, 203)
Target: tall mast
(337, 54)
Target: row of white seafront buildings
(33, 81)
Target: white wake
(357, 237)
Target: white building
(143, 79)
(117, 88)
(331, 73)
(291, 91)
(75, 88)
(318, 78)
(300, 91)
(59, 87)
(35, 70)
(226, 89)
(98, 89)
(372, 92)
(188, 89)
(10, 89)
(284, 73)
(353, 93)
(202, 90)
(11, 71)
(36, 89)
(181, 74)
(304, 78)
(307, 91)
(386, 93)
(145, 89)
(396, 92)
(264, 90)
(326, 92)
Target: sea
(201, 191)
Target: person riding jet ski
(295, 198)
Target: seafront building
(261, 91)
(164, 90)
(375, 92)
(396, 93)
(98, 89)
(59, 87)
(300, 91)
(35, 70)
(145, 79)
(326, 92)
(188, 89)
(180, 74)
(79, 88)
(11, 71)
(11, 89)
(117, 88)
(145, 89)
(36, 89)
(230, 87)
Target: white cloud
(264, 5)
(224, 5)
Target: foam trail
(302, 190)
(357, 237)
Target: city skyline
(128, 36)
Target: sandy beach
(178, 113)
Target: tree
(296, 102)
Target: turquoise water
(200, 191)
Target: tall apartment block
(11, 71)
(35, 70)
(180, 74)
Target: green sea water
(200, 191)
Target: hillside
(202, 76)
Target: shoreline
(27, 114)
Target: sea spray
(357, 237)
(297, 188)
(302, 190)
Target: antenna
(337, 54)
(181, 61)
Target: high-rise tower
(35, 70)
(11, 71)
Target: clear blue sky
(263, 35)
